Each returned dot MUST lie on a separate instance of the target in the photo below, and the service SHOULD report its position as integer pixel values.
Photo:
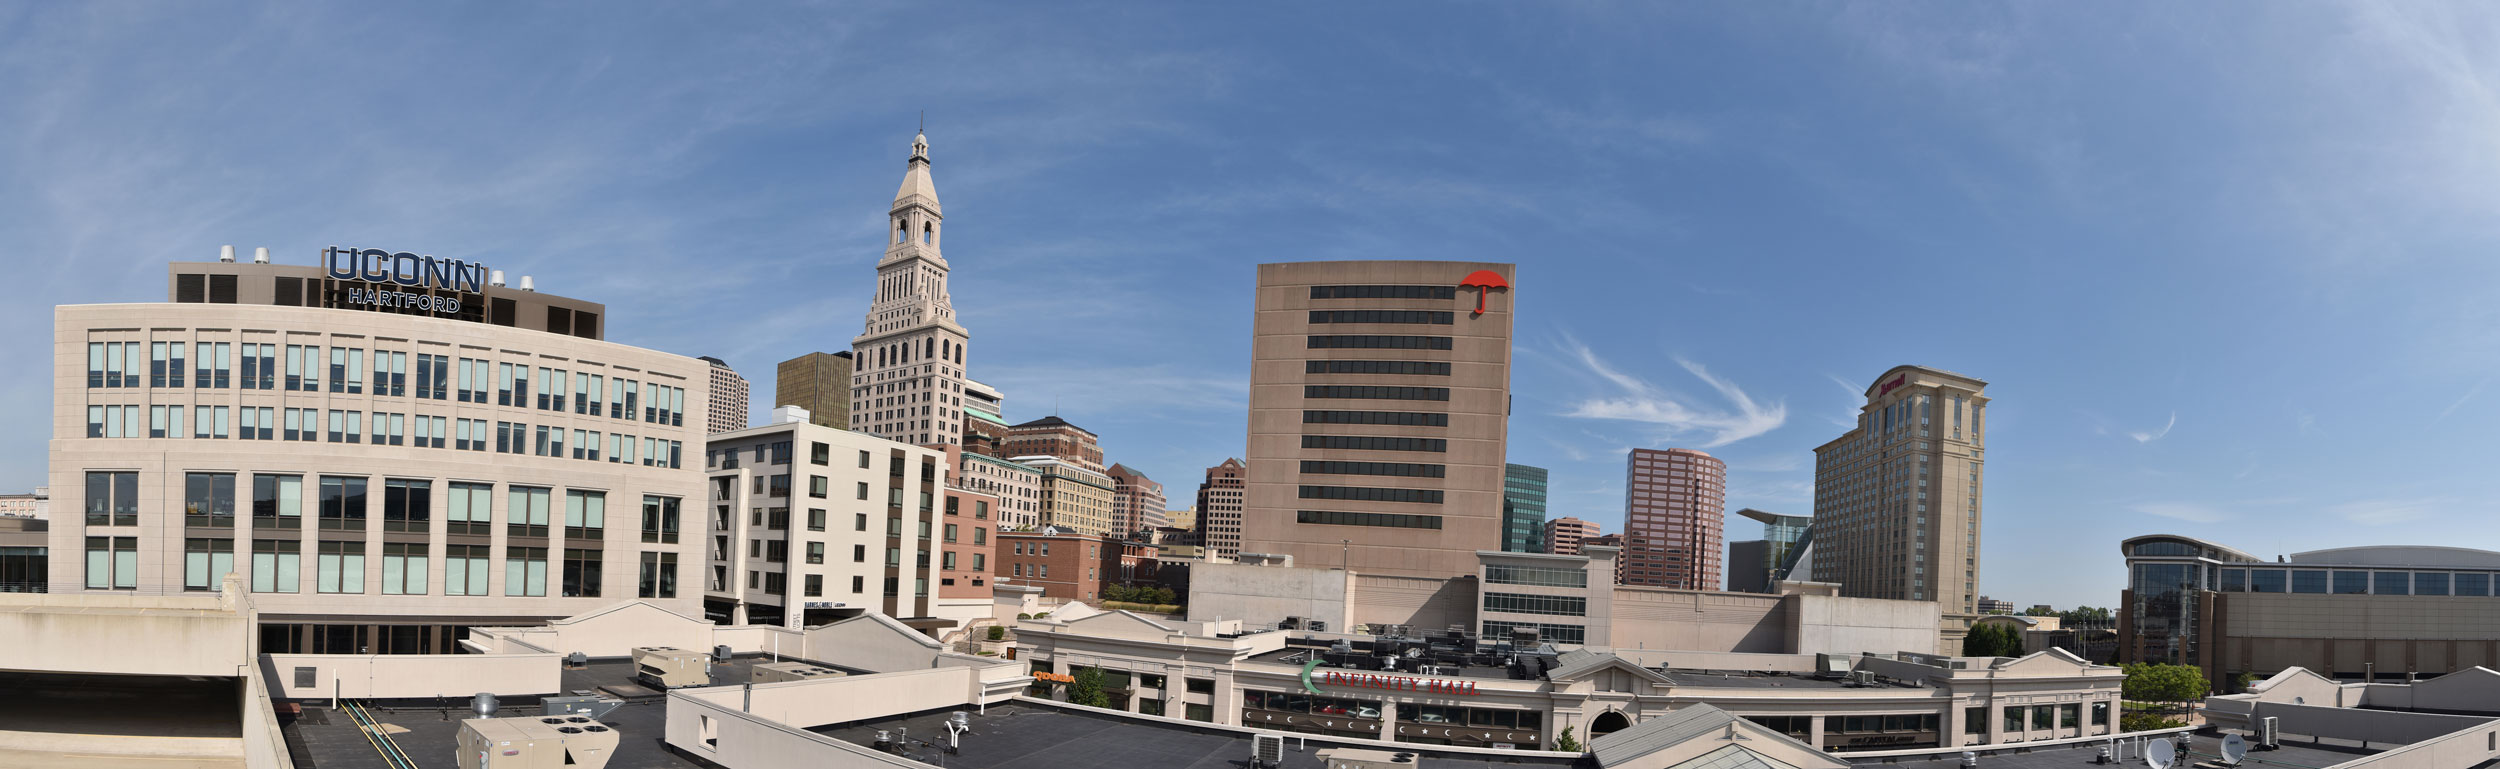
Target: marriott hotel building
(384, 452)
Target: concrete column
(1814, 735)
(738, 613)
(1389, 719)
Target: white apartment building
(809, 524)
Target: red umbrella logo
(1483, 281)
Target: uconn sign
(374, 265)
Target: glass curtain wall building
(1523, 509)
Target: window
(121, 422)
(1371, 342)
(815, 519)
(403, 566)
(390, 373)
(1384, 292)
(2267, 580)
(210, 421)
(1401, 469)
(1975, 721)
(341, 567)
(1377, 392)
(815, 552)
(215, 367)
(863, 491)
(1535, 575)
(585, 514)
(820, 454)
(433, 375)
(277, 501)
(342, 503)
(465, 569)
(2041, 716)
(2473, 584)
(2100, 714)
(347, 370)
(2013, 718)
(1570, 634)
(164, 364)
(2389, 583)
(1369, 494)
(303, 368)
(659, 522)
(1414, 367)
(205, 563)
(1201, 685)
(275, 565)
(526, 508)
(407, 505)
(1426, 317)
(2069, 715)
(859, 553)
(2308, 581)
(817, 486)
(1408, 418)
(2352, 582)
(1522, 603)
(2430, 583)
(525, 571)
(659, 575)
(470, 510)
(581, 573)
(208, 500)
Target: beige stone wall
(385, 676)
(1426, 604)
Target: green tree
(2082, 614)
(998, 633)
(2040, 611)
(1087, 689)
(1164, 595)
(1564, 742)
(2152, 682)
(1991, 639)
(2240, 683)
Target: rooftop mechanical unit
(1352, 758)
(1267, 751)
(667, 667)
(536, 742)
(776, 672)
(580, 704)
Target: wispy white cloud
(2141, 436)
(1643, 402)
(2381, 512)
(2477, 389)
(2191, 512)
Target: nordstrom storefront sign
(389, 268)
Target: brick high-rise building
(1379, 412)
(1896, 500)
(729, 398)
(1219, 507)
(907, 379)
(1136, 502)
(819, 382)
(1564, 535)
(1674, 519)
(1054, 437)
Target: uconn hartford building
(385, 447)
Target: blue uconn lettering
(373, 265)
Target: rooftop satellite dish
(2234, 748)
(2159, 755)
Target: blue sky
(2226, 267)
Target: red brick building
(1052, 436)
(967, 544)
(1071, 566)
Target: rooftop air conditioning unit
(1267, 751)
(2269, 733)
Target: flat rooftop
(1724, 680)
(1020, 735)
(327, 739)
(2294, 751)
(1295, 655)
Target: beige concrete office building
(729, 397)
(809, 524)
(1018, 487)
(1219, 508)
(1896, 499)
(1379, 411)
(1564, 535)
(382, 462)
(819, 382)
(907, 380)
(1136, 502)
(1073, 498)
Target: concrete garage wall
(1262, 595)
(124, 634)
(1427, 604)
(1839, 625)
(1698, 621)
(407, 676)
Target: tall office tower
(1054, 437)
(1674, 518)
(1523, 509)
(819, 382)
(1781, 536)
(729, 398)
(907, 379)
(1219, 507)
(1564, 535)
(1379, 408)
(1136, 502)
(1896, 500)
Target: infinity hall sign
(374, 265)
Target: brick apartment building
(1074, 567)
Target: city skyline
(2196, 290)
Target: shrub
(998, 633)
(1564, 742)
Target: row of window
(2349, 582)
(1373, 442)
(117, 365)
(343, 504)
(276, 566)
(1380, 392)
(386, 429)
(1551, 633)
(1373, 494)
(1414, 367)
(1389, 520)
(1384, 292)
(1374, 468)
(1376, 342)
(1524, 603)
(1407, 418)
(1542, 576)
(1430, 317)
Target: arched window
(928, 233)
(902, 230)
(1609, 722)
